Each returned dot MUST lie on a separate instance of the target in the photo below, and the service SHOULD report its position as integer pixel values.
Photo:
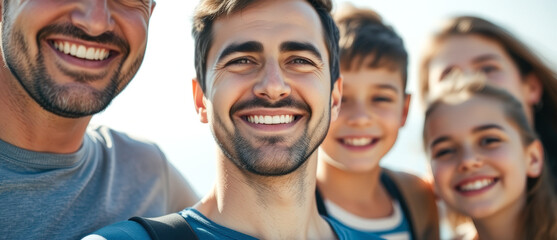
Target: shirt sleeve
(126, 230)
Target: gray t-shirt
(65, 196)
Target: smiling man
(59, 179)
(268, 86)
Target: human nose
(359, 116)
(273, 85)
(93, 16)
(470, 160)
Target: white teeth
(90, 54)
(277, 119)
(81, 51)
(66, 47)
(357, 141)
(475, 185)
(73, 50)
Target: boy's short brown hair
(367, 42)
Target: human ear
(534, 159)
(405, 108)
(199, 100)
(336, 98)
(533, 89)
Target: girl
(472, 44)
(488, 163)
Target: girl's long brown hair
(539, 217)
(545, 115)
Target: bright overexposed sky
(157, 105)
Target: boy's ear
(533, 89)
(336, 98)
(406, 107)
(534, 159)
(199, 100)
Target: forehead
(463, 49)
(270, 23)
(364, 78)
(463, 117)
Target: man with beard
(62, 62)
(268, 85)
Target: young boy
(351, 186)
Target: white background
(157, 105)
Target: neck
(503, 224)
(25, 124)
(278, 207)
(359, 193)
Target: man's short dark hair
(209, 10)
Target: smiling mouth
(477, 185)
(358, 141)
(271, 119)
(81, 51)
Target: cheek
(511, 163)
(509, 81)
(442, 173)
(312, 88)
(134, 31)
(221, 102)
(390, 118)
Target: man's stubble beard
(70, 102)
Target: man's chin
(278, 164)
(73, 107)
(71, 113)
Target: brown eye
(302, 61)
(488, 69)
(489, 141)
(443, 152)
(240, 61)
(382, 99)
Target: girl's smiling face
(479, 162)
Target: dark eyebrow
(485, 57)
(487, 127)
(479, 59)
(475, 130)
(380, 86)
(439, 140)
(251, 46)
(292, 46)
(388, 86)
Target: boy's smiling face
(373, 108)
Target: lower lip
(272, 127)
(359, 148)
(479, 191)
(98, 64)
